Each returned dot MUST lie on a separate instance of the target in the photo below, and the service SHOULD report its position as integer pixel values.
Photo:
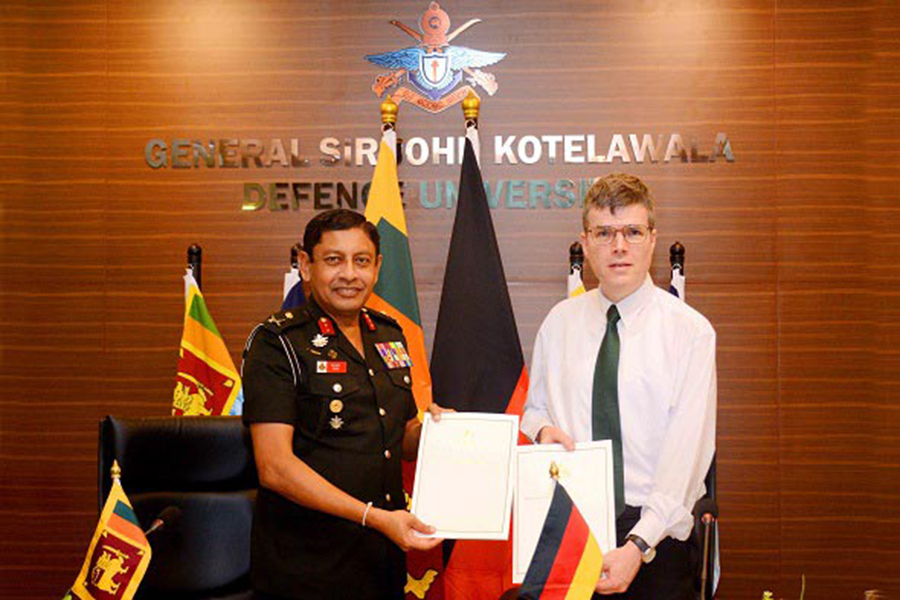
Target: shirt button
(387, 453)
(371, 373)
(406, 379)
(337, 388)
(387, 497)
(382, 412)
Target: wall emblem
(434, 68)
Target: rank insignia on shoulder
(276, 321)
(336, 422)
(326, 327)
(331, 366)
(393, 354)
(320, 341)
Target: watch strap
(648, 553)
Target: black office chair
(204, 466)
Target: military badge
(434, 68)
(320, 341)
(326, 327)
(275, 321)
(369, 322)
(332, 354)
(336, 422)
(336, 406)
(393, 354)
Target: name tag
(331, 366)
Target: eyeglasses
(605, 235)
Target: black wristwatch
(647, 552)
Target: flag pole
(115, 473)
(576, 257)
(389, 111)
(676, 257)
(195, 263)
(471, 105)
(554, 471)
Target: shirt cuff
(532, 425)
(650, 528)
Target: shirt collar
(631, 305)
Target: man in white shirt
(633, 362)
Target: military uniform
(349, 414)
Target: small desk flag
(118, 555)
(567, 561)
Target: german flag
(118, 555)
(395, 295)
(477, 362)
(567, 560)
(207, 382)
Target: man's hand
(554, 435)
(436, 411)
(619, 567)
(400, 527)
(413, 431)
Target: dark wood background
(792, 249)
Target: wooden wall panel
(792, 252)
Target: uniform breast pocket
(395, 397)
(337, 403)
(401, 378)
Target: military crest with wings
(434, 68)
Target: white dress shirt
(667, 396)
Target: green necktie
(606, 422)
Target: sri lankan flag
(207, 382)
(395, 292)
(567, 561)
(395, 295)
(118, 555)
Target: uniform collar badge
(369, 322)
(326, 327)
(320, 341)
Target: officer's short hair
(618, 190)
(338, 219)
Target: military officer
(329, 404)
